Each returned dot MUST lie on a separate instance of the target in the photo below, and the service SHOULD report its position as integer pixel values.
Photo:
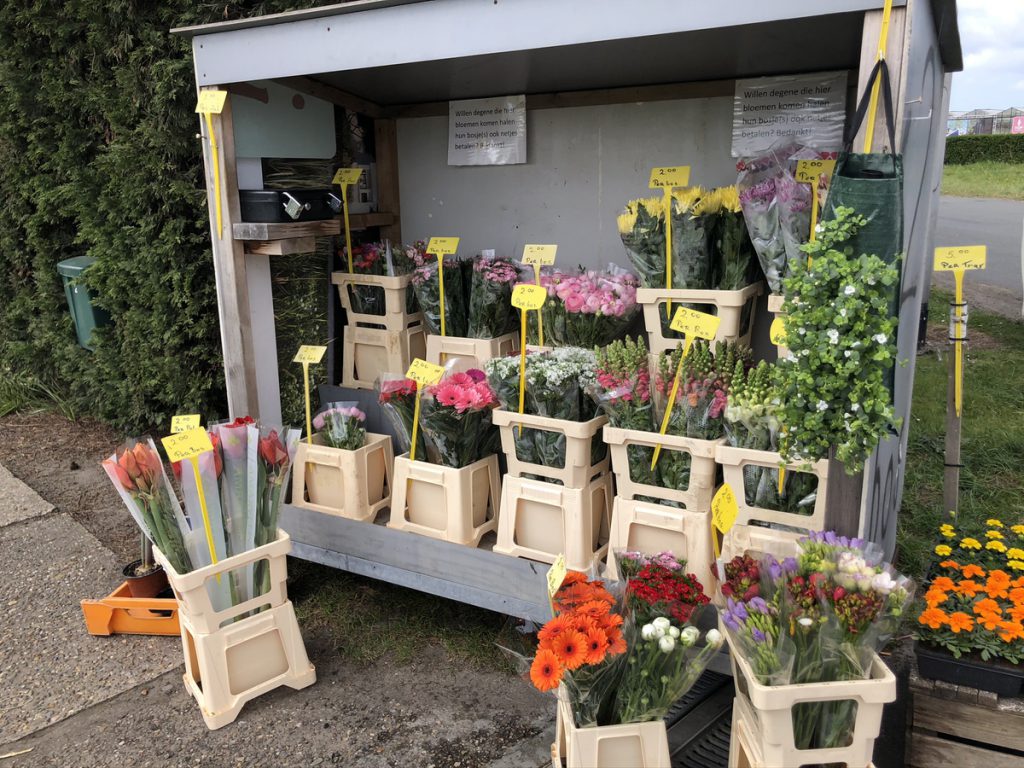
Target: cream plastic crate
(457, 505)
(369, 352)
(733, 460)
(354, 484)
(539, 521)
(730, 306)
(648, 528)
(742, 539)
(577, 471)
(635, 745)
(767, 714)
(464, 354)
(395, 317)
(703, 469)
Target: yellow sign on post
(777, 331)
(694, 325)
(667, 178)
(441, 247)
(810, 172)
(960, 257)
(308, 354)
(189, 446)
(525, 298)
(343, 177)
(211, 102)
(724, 510)
(958, 260)
(425, 375)
(556, 575)
(539, 256)
(185, 422)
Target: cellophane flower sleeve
(397, 398)
(732, 253)
(691, 240)
(210, 471)
(642, 229)
(428, 294)
(758, 199)
(237, 482)
(455, 418)
(274, 463)
(587, 308)
(340, 425)
(490, 305)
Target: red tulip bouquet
(273, 465)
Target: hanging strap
(880, 70)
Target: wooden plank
(264, 338)
(281, 247)
(229, 270)
(969, 721)
(386, 141)
(366, 220)
(842, 506)
(895, 50)
(313, 87)
(927, 751)
(259, 230)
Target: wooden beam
(366, 220)
(895, 58)
(321, 90)
(281, 247)
(274, 230)
(388, 199)
(249, 91)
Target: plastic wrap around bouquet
(587, 308)
(379, 259)
(243, 480)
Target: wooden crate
(954, 725)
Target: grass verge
(992, 480)
(986, 179)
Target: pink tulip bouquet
(455, 416)
(588, 308)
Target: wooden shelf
(285, 231)
(366, 220)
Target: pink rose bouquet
(455, 417)
(588, 308)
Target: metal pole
(954, 418)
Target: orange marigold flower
(616, 642)
(1018, 582)
(1016, 594)
(990, 620)
(1010, 631)
(968, 587)
(1016, 613)
(960, 620)
(546, 671)
(935, 597)
(951, 564)
(988, 605)
(571, 649)
(933, 617)
(944, 583)
(998, 584)
(971, 569)
(597, 646)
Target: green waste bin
(85, 316)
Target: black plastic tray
(999, 677)
(270, 205)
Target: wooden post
(951, 477)
(895, 58)
(386, 142)
(229, 269)
(845, 492)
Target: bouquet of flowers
(428, 291)
(732, 253)
(587, 308)
(397, 397)
(742, 578)
(658, 585)
(341, 426)
(455, 419)
(274, 464)
(378, 259)
(490, 302)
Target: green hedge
(1001, 148)
(98, 156)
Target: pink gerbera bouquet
(588, 308)
(455, 416)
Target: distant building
(982, 121)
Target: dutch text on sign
(960, 257)
(539, 255)
(669, 176)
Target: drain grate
(699, 724)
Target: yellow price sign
(423, 373)
(443, 246)
(184, 423)
(309, 354)
(960, 257)
(539, 255)
(345, 176)
(556, 575)
(724, 511)
(187, 445)
(809, 171)
(526, 296)
(211, 102)
(669, 176)
(777, 331)
(695, 324)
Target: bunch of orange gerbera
(585, 631)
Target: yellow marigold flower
(1018, 529)
(946, 527)
(950, 534)
(943, 550)
(993, 523)
(996, 546)
(1015, 553)
(993, 534)
(1017, 565)
(970, 543)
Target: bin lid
(74, 267)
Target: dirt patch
(937, 339)
(60, 460)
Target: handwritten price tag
(693, 323)
(211, 102)
(345, 176)
(185, 422)
(443, 246)
(724, 509)
(423, 373)
(777, 332)
(808, 171)
(960, 257)
(556, 575)
(309, 354)
(529, 296)
(539, 255)
(670, 176)
(187, 445)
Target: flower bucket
(539, 521)
(354, 484)
(369, 352)
(748, 539)
(395, 291)
(634, 745)
(465, 354)
(457, 505)
(735, 308)
(579, 467)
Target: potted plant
(144, 577)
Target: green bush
(1001, 148)
(98, 156)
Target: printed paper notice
(487, 131)
(810, 109)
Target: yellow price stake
(777, 331)
(309, 353)
(539, 255)
(526, 296)
(188, 446)
(443, 246)
(669, 176)
(211, 102)
(960, 257)
(724, 510)
(345, 176)
(425, 375)
(556, 575)
(695, 324)
(185, 422)
(809, 171)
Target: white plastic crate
(369, 352)
(634, 745)
(703, 469)
(395, 289)
(354, 484)
(735, 308)
(465, 353)
(457, 505)
(541, 520)
(649, 528)
(743, 539)
(577, 471)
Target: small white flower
(849, 290)
(713, 638)
(801, 330)
(818, 228)
(842, 312)
(673, 632)
(659, 633)
(855, 407)
(881, 338)
(833, 335)
(846, 353)
(689, 636)
(667, 644)
(662, 622)
(883, 582)
(822, 405)
(647, 632)
(805, 621)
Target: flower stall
(465, 442)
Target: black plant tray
(270, 205)
(999, 677)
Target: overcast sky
(992, 36)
